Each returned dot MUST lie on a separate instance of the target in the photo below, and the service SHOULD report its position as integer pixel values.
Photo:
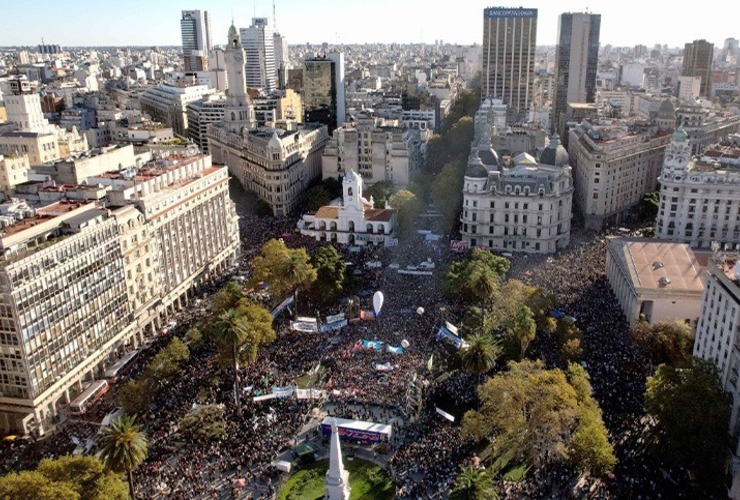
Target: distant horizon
(140, 23)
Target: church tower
(239, 111)
(352, 191)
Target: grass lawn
(367, 481)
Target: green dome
(680, 135)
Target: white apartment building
(376, 152)
(699, 198)
(13, 171)
(78, 281)
(201, 114)
(168, 104)
(614, 165)
(654, 280)
(259, 44)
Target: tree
(457, 275)
(480, 355)
(408, 207)
(522, 329)
(380, 192)
(528, 412)
(436, 154)
(194, 338)
(481, 286)
(240, 333)
(667, 342)
(691, 413)
(330, 274)
(65, 478)
(123, 447)
(167, 362)
(135, 396)
(446, 191)
(203, 423)
(283, 269)
(589, 449)
(233, 334)
(473, 484)
(317, 197)
(226, 298)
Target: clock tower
(678, 152)
(239, 111)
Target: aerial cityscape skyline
(624, 23)
(498, 268)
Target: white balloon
(378, 302)
(420, 311)
(405, 344)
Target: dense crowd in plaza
(426, 450)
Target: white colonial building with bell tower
(353, 221)
(699, 197)
(239, 110)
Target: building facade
(323, 90)
(509, 41)
(168, 104)
(525, 207)
(259, 43)
(697, 61)
(79, 282)
(276, 164)
(615, 165)
(654, 280)
(377, 153)
(699, 197)
(576, 63)
(200, 115)
(195, 28)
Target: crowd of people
(426, 450)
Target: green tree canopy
(474, 484)
(481, 354)
(692, 413)
(317, 197)
(226, 298)
(330, 274)
(203, 423)
(532, 414)
(446, 191)
(283, 269)
(408, 207)
(457, 277)
(380, 192)
(66, 477)
(666, 342)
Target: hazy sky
(156, 22)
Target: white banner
(310, 393)
(445, 414)
(335, 317)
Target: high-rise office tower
(282, 60)
(323, 90)
(576, 62)
(259, 44)
(509, 40)
(697, 61)
(195, 28)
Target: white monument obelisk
(337, 477)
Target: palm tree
(233, 331)
(482, 285)
(473, 483)
(298, 272)
(480, 355)
(123, 447)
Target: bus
(89, 397)
(121, 367)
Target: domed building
(525, 207)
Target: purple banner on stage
(354, 434)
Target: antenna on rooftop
(274, 16)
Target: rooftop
(659, 265)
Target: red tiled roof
(327, 212)
(378, 214)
